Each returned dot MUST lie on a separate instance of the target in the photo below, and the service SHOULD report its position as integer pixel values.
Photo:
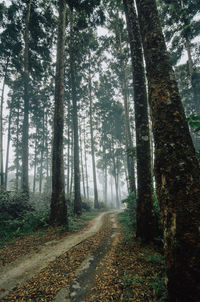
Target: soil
(95, 264)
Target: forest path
(17, 273)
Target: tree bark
(8, 148)
(86, 170)
(115, 176)
(25, 129)
(42, 155)
(177, 171)
(17, 151)
(105, 177)
(129, 141)
(68, 148)
(82, 168)
(35, 164)
(77, 191)
(1, 129)
(58, 214)
(96, 202)
(145, 219)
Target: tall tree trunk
(111, 189)
(77, 191)
(105, 177)
(115, 176)
(96, 202)
(42, 155)
(1, 127)
(68, 149)
(71, 190)
(47, 154)
(8, 148)
(58, 214)
(129, 141)
(145, 219)
(25, 129)
(17, 152)
(177, 171)
(86, 171)
(35, 164)
(82, 168)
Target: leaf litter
(125, 272)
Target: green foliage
(25, 224)
(131, 280)
(128, 218)
(130, 201)
(194, 122)
(156, 258)
(76, 223)
(157, 281)
(13, 205)
(86, 206)
(159, 288)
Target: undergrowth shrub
(18, 216)
(13, 205)
(86, 206)
(130, 202)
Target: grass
(128, 230)
(150, 272)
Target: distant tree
(181, 27)
(118, 47)
(176, 168)
(145, 216)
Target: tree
(58, 214)
(180, 28)
(145, 217)
(118, 47)
(176, 168)
(77, 190)
(25, 129)
(96, 203)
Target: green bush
(13, 205)
(130, 201)
(86, 206)
(18, 217)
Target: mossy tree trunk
(145, 217)
(58, 214)
(177, 171)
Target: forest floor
(98, 263)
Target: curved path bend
(24, 268)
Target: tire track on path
(23, 269)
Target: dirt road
(16, 275)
